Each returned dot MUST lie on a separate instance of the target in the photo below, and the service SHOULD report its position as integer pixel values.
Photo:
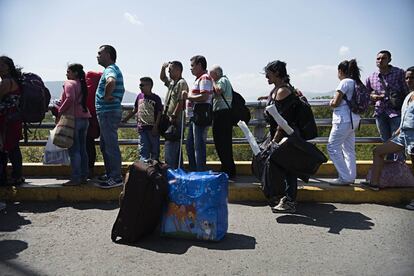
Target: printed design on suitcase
(197, 207)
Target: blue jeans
(386, 127)
(109, 123)
(196, 147)
(149, 145)
(172, 151)
(77, 153)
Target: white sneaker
(410, 206)
(339, 182)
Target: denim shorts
(405, 139)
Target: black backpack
(239, 110)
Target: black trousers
(222, 135)
(91, 151)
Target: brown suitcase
(141, 201)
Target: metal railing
(257, 122)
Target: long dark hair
(78, 68)
(278, 67)
(15, 71)
(351, 70)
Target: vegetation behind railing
(367, 135)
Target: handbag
(54, 154)
(172, 133)
(394, 174)
(202, 114)
(395, 98)
(64, 131)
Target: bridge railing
(257, 122)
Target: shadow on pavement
(9, 249)
(231, 241)
(326, 215)
(11, 220)
(51, 206)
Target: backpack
(360, 99)
(239, 110)
(305, 120)
(34, 99)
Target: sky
(312, 37)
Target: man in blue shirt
(109, 111)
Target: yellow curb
(242, 167)
(238, 192)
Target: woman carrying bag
(73, 104)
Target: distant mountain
(55, 88)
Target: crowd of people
(94, 100)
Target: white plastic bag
(54, 154)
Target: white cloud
(250, 85)
(131, 18)
(344, 50)
(319, 78)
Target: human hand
(165, 65)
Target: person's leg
(172, 151)
(383, 127)
(200, 140)
(222, 135)
(155, 146)
(102, 143)
(15, 157)
(394, 125)
(144, 145)
(190, 148)
(339, 133)
(379, 153)
(91, 152)
(3, 168)
(348, 149)
(82, 148)
(291, 186)
(74, 153)
(109, 123)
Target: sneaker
(367, 184)
(2, 206)
(71, 183)
(410, 206)
(339, 182)
(285, 206)
(111, 183)
(102, 178)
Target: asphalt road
(321, 239)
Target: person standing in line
(10, 130)
(222, 120)
(387, 78)
(402, 139)
(148, 108)
(108, 100)
(92, 80)
(282, 96)
(73, 102)
(202, 92)
(174, 106)
(341, 142)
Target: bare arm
(129, 115)
(337, 99)
(198, 98)
(6, 86)
(109, 88)
(163, 76)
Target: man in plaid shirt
(387, 117)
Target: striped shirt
(202, 85)
(118, 93)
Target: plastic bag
(54, 154)
(197, 207)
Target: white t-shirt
(341, 113)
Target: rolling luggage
(141, 201)
(197, 207)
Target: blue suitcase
(197, 206)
